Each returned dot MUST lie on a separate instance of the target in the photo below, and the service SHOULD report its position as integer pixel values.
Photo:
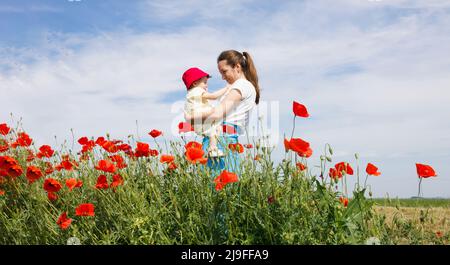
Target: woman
(238, 70)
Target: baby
(197, 97)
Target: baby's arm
(217, 94)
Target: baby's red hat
(193, 74)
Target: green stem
(293, 127)
(365, 181)
(420, 182)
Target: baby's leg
(213, 139)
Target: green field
(413, 202)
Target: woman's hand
(232, 99)
(198, 115)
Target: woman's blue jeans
(231, 160)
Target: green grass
(413, 202)
(271, 204)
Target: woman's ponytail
(250, 73)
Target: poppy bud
(330, 150)
(356, 156)
(328, 158)
(322, 157)
(370, 193)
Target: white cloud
(394, 106)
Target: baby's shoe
(215, 153)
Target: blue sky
(373, 74)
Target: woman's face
(229, 73)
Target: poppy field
(116, 191)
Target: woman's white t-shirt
(241, 113)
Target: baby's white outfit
(195, 103)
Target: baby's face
(203, 83)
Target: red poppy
(109, 146)
(344, 201)
(425, 171)
(79, 184)
(248, 146)
(270, 199)
(117, 180)
(87, 144)
(438, 234)
(73, 183)
(15, 171)
(125, 147)
(142, 149)
(184, 127)
(225, 178)
(300, 166)
(372, 170)
(102, 182)
(106, 166)
(194, 154)
(2, 192)
(83, 140)
(307, 153)
(335, 174)
(33, 174)
(86, 148)
(100, 140)
(85, 209)
(49, 168)
(297, 145)
(154, 152)
(344, 166)
(300, 110)
(203, 160)
(30, 156)
(4, 129)
(228, 129)
(118, 159)
(65, 164)
(193, 144)
(45, 151)
(172, 166)
(155, 133)
(166, 158)
(63, 221)
(237, 147)
(52, 196)
(6, 162)
(257, 157)
(23, 139)
(52, 185)
(286, 145)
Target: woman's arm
(231, 101)
(215, 95)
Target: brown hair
(245, 61)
